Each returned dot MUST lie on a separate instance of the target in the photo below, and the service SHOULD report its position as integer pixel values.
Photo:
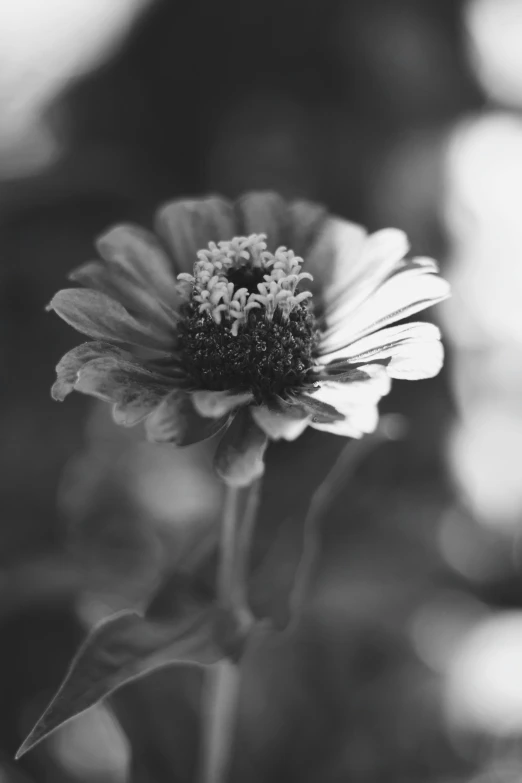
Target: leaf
(288, 529)
(120, 649)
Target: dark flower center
(245, 325)
(266, 357)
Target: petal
(404, 293)
(345, 397)
(278, 425)
(101, 317)
(176, 420)
(140, 255)
(135, 390)
(188, 226)
(215, 404)
(318, 409)
(239, 456)
(411, 351)
(358, 422)
(307, 222)
(69, 365)
(123, 288)
(267, 213)
(357, 401)
(332, 259)
(380, 254)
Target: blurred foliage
(346, 102)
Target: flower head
(254, 319)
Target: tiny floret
(233, 277)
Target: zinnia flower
(254, 319)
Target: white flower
(254, 319)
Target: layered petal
(69, 365)
(358, 422)
(409, 290)
(356, 401)
(410, 351)
(215, 404)
(278, 425)
(138, 299)
(188, 226)
(136, 252)
(239, 455)
(134, 390)
(97, 315)
(176, 421)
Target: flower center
(245, 325)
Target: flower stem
(223, 679)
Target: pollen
(245, 325)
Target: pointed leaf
(120, 649)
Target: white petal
(360, 421)
(347, 396)
(215, 404)
(414, 351)
(403, 294)
(378, 257)
(333, 258)
(277, 425)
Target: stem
(223, 683)
(221, 697)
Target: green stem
(223, 682)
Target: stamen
(215, 294)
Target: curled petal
(319, 409)
(239, 456)
(411, 351)
(176, 421)
(134, 390)
(101, 317)
(404, 293)
(278, 425)
(139, 254)
(358, 422)
(357, 402)
(188, 226)
(69, 365)
(215, 404)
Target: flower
(252, 319)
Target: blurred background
(407, 665)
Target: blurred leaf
(120, 649)
(281, 575)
